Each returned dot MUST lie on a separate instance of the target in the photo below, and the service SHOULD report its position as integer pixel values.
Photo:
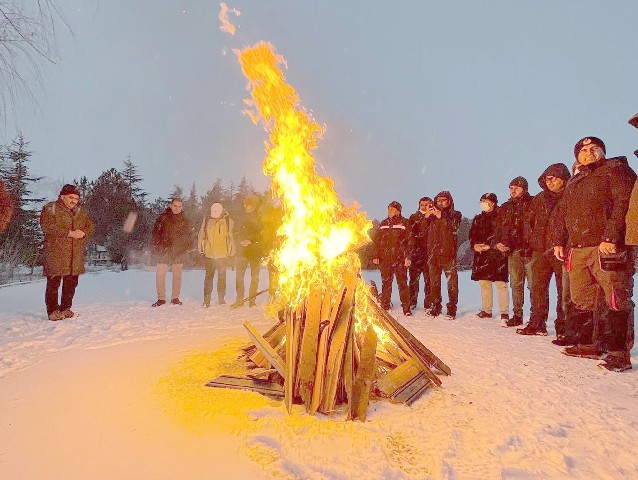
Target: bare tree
(27, 38)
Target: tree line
(109, 200)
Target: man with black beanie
(510, 239)
(66, 227)
(590, 238)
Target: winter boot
(434, 311)
(505, 317)
(515, 321)
(55, 316)
(616, 361)
(67, 313)
(562, 341)
(533, 329)
(451, 313)
(583, 351)
(484, 314)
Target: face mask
(485, 206)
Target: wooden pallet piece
(394, 379)
(412, 390)
(358, 404)
(265, 387)
(337, 347)
(330, 312)
(430, 358)
(291, 346)
(309, 346)
(390, 324)
(264, 347)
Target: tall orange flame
(319, 234)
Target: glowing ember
(319, 234)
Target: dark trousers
(520, 268)
(543, 267)
(242, 264)
(451, 275)
(388, 272)
(215, 265)
(69, 283)
(416, 271)
(607, 295)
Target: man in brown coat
(6, 208)
(66, 227)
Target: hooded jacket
(442, 233)
(215, 237)
(541, 209)
(593, 206)
(64, 255)
(419, 224)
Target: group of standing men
(222, 242)
(580, 229)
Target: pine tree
(23, 232)
(192, 208)
(133, 180)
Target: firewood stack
(315, 356)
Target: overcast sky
(417, 96)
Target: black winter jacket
(490, 264)
(393, 242)
(510, 227)
(541, 210)
(171, 234)
(593, 206)
(442, 233)
(419, 224)
(248, 227)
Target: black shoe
(505, 316)
(434, 311)
(515, 321)
(484, 314)
(531, 329)
(159, 303)
(407, 313)
(583, 351)
(616, 361)
(176, 301)
(562, 341)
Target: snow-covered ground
(117, 393)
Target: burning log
(326, 362)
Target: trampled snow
(118, 393)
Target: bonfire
(333, 344)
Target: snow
(118, 392)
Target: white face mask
(486, 206)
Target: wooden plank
(271, 389)
(264, 347)
(392, 381)
(349, 366)
(389, 324)
(412, 390)
(309, 346)
(416, 345)
(275, 336)
(358, 405)
(289, 378)
(337, 347)
(267, 335)
(330, 313)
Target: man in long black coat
(419, 222)
(393, 250)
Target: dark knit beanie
(634, 121)
(520, 182)
(70, 189)
(588, 141)
(490, 197)
(396, 205)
